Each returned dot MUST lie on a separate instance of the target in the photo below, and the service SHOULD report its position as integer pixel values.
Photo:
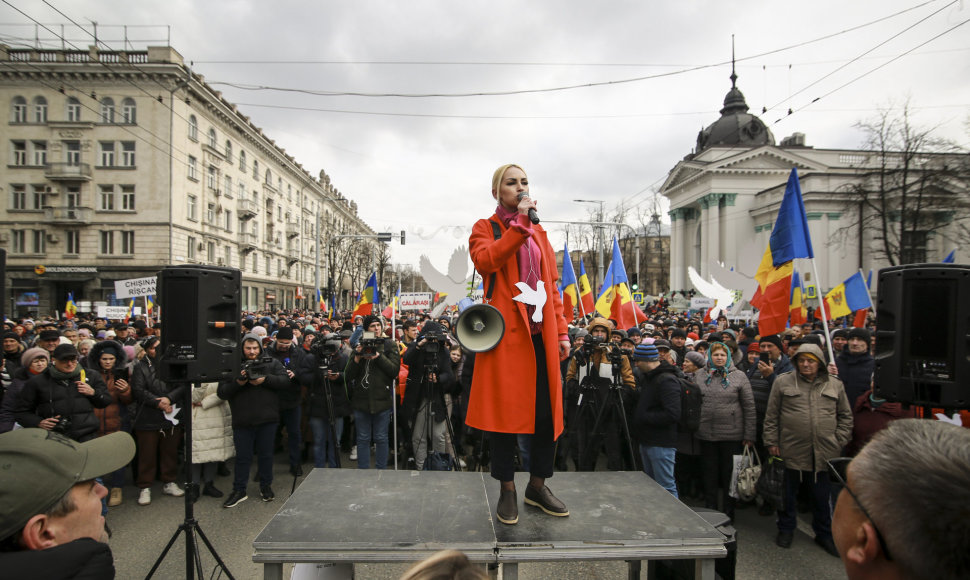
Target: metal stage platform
(348, 515)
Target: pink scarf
(528, 254)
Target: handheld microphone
(533, 216)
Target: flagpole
(394, 385)
(825, 323)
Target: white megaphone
(479, 327)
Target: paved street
(141, 532)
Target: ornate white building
(122, 162)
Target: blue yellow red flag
(585, 291)
(847, 297)
(798, 312)
(570, 285)
(368, 297)
(616, 301)
(70, 309)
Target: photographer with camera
(294, 361)
(590, 376)
(371, 372)
(328, 400)
(254, 402)
(427, 398)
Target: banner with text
(415, 301)
(117, 312)
(135, 287)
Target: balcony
(68, 215)
(292, 256)
(68, 171)
(248, 240)
(246, 208)
(292, 229)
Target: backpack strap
(497, 233)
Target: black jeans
(717, 459)
(543, 453)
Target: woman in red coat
(517, 387)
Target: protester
(657, 415)
(109, 359)
(371, 376)
(211, 438)
(854, 365)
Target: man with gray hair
(904, 513)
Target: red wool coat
(503, 386)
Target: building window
(107, 110)
(128, 242)
(18, 197)
(210, 213)
(128, 197)
(40, 153)
(255, 264)
(227, 189)
(19, 242)
(19, 152)
(40, 110)
(242, 190)
(73, 239)
(39, 239)
(914, 247)
(242, 261)
(193, 128)
(107, 246)
(106, 197)
(242, 160)
(39, 193)
(210, 252)
(193, 169)
(228, 152)
(72, 152)
(256, 169)
(107, 153)
(191, 250)
(127, 153)
(192, 208)
(73, 110)
(128, 111)
(269, 177)
(269, 265)
(228, 218)
(227, 258)
(18, 114)
(212, 138)
(210, 177)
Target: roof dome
(736, 126)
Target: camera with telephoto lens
(323, 350)
(370, 343)
(63, 425)
(435, 340)
(257, 368)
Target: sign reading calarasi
(415, 301)
(135, 287)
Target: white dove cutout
(171, 416)
(454, 283)
(956, 420)
(721, 295)
(535, 297)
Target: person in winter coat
(371, 376)
(63, 397)
(727, 423)
(870, 415)
(430, 379)
(13, 349)
(517, 386)
(32, 363)
(327, 399)
(109, 359)
(211, 437)
(808, 422)
(254, 401)
(657, 415)
(293, 359)
(854, 365)
(158, 438)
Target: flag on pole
(798, 312)
(322, 304)
(950, 257)
(150, 304)
(70, 309)
(394, 306)
(570, 285)
(585, 291)
(789, 239)
(616, 301)
(368, 297)
(131, 310)
(847, 297)
(333, 307)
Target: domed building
(736, 126)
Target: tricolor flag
(333, 307)
(798, 312)
(368, 297)
(394, 306)
(150, 305)
(846, 298)
(70, 309)
(615, 301)
(131, 310)
(570, 286)
(321, 302)
(790, 239)
(585, 291)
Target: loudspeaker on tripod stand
(923, 335)
(479, 327)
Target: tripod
(331, 420)
(430, 395)
(607, 400)
(190, 526)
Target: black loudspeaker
(200, 323)
(923, 335)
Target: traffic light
(402, 237)
(633, 283)
(384, 237)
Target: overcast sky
(424, 164)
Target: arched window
(256, 169)
(212, 138)
(269, 177)
(107, 110)
(40, 110)
(242, 160)
(73, 110)
(128, 111)
(229, 151)
(193, 128)
(18, 113)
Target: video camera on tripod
(370, 344)
(324, 350)
(435, 339)
(257, 368)
(585, 353)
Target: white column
(676, 248)
(714, 232)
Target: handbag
(748, 476)
(437, 461)
(771, 484)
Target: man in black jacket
(50, 504)
(855, 365)
(294, 360)
(658, 412)
(254, 402)
(430, 386)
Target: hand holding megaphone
(533, 216)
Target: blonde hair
(499, 174)
(445, 565)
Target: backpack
(691, 400)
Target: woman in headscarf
(517, 386)
(727, 423)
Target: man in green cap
(50, 504)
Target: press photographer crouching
(328, 399)
(254, 403)
(427, 398)
(594, 372)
